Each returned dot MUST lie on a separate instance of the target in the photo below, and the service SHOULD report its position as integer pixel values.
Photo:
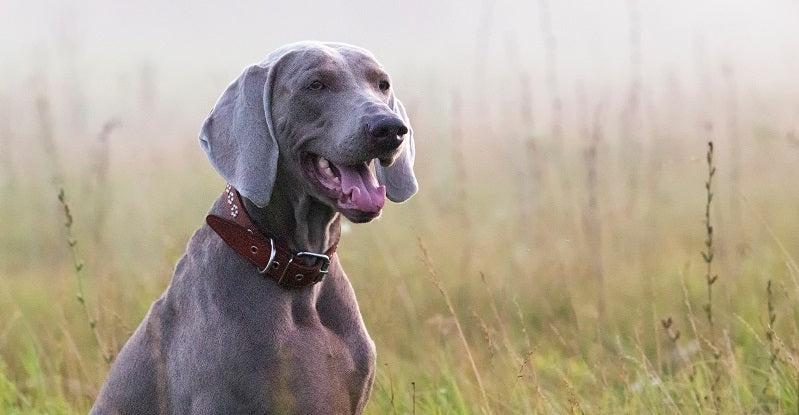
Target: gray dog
(259, 316)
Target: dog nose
(387, 131)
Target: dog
(259, 316)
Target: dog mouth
(353, 188)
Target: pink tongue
(360, 189)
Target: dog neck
(297, 220)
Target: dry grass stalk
(734, 134)
(499, 321)
(79, 267)
(413, 397)
(431, 274)
(100, 166)
(461, 172)
(592, 228)
(708, 253)
(551, 63)
(773, 348)
(631, 114)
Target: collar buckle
(322, 257)
(323, 270)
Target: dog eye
(384, 85)
(316, 86)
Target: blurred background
(553, 258)
(100, 59)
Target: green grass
(481, 293)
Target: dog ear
(399, 178)
(238, 137)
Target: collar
(271, 259)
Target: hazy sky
(750, 33)
(189, 44)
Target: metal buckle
(325, 263)
(325, 260)
(271, 258)
(322, 271)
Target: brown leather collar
(273, 260)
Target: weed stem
(78, 264)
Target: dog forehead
(319, 59)
(331, 57)
(360, 60)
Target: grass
(502, 287)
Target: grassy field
(549, 264)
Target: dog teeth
(326, 170)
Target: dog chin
(359, 216)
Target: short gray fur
(224, 340)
